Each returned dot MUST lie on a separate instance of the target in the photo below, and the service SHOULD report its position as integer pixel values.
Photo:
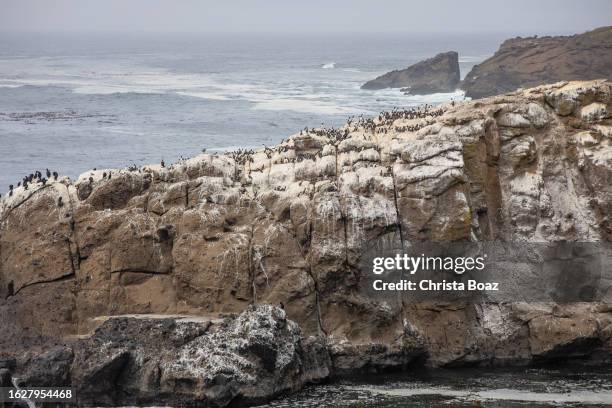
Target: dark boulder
(49, 369)
(240, 360)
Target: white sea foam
(121, 131)
(502, 394)
(214, 96)
(325, 96)
(113, 81)
(112, 89)
(435, 97)
(41, 82)
(308, 106)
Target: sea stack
(437, 74)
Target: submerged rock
(437, 74)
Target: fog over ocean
(71, 102)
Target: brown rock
(532, 61)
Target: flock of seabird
(34, 179)
(379, 124)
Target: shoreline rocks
(437, 74)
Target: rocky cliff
(437, 74)
(134, 278)
(527, 62)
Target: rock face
(437, 74)
(527, 62)
(213, 235)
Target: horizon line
(529, 32)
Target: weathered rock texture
(183, 361)
(196, 361)
(527, 62)
(437, 74)
(216, 233)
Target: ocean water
(75, 101)
(534, 387)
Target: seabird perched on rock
(104, 175)
(55, 175)
(163, 164)
(109, 175)
(281, 305)
(91, 180)
(48, 173)
(60, 203)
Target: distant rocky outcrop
(532, 61)
(437, 74)
(129, 279)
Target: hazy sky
(517, 16)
